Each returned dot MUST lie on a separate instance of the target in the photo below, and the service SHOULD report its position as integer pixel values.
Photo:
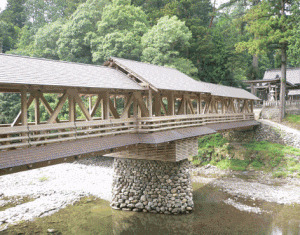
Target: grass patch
(43, 178)
(276, 158)
(292, 121)
(293, 118)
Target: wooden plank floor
(52, 152)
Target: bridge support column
(152, 186)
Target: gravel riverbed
(52, 188)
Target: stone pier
(152, 186)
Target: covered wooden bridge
(135, 110)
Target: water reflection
(211, 216)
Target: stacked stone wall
(267, 132)
(152, 186)
(272, 112)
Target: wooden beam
(163, 106)
(157, 103)
(78, 100)
(105, 105)
(232, 105)
(37, 109)
(127, 106)
(181, 106)
(58, 108)
(24, 108)
(18, 118)
(190, 105)
(113, 110)
(239, 106)
(90, 103)
(45, 103)
(150, 102)
(141, 104)
(171, 105)
(96, 105)
(72, 109)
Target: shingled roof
(227, 91)
(164, 78)
(292, 75)
(35, 71)
(160, 77)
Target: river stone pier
(152, 186)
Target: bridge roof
(35, 71)
(227, 91)
(164, 78)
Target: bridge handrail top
(190, 116)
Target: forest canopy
(193, 36)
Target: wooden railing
(25, 136)
(36, 135)
(154, 124)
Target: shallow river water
(215, 212)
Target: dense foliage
(222, 45)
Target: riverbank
(52, 188)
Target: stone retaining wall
(268, 131)
(152, 186)
(272, 112)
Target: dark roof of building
(164, 78)
(35, 71)
(292, 75)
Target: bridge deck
(65, 151)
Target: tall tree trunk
(255, 67)
(282, 83)
(283, 71)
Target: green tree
(45, 40)
(272, 29)
(8, 35)
(166, 43)
(74, 41)
(294, 40)
(15, 13)
(119, 32)
(41, 12)
(10, 105)
(25, 42)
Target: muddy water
(211, 216)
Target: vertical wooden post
(150, 103)
(37, 109)
(135, 108)
(105, 105)
(24, 108)
(200, 104)
(115, 101)
(184, 103)
(157, 107)
(171, 105)
(72, 109)
(90, 104)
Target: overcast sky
(3, 3)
